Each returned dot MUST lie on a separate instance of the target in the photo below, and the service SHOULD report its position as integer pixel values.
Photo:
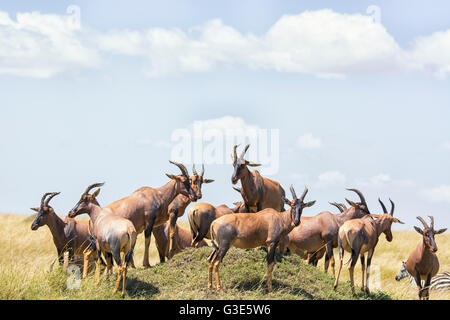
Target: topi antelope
(258, 192)
(148, 207)
(360, 236)
(320, 232)
(115, 235)
(68, 234)
(201, 215)
(423, 264)
(178, 206)
(253, 230)
(182, 240)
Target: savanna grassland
(27, 256)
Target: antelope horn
(244, 151)
(337, 205)
(52, 195)
(203, 170)
(183, 169)
(194, 171)
(304, 194)
(294, 195)
(94, 185)
(234, 152)
(43, 198)
(237, 189)
(393, 207)
(432, 222)
(383, 206)
(361, 196)
(423, 222)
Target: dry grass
(27, 255)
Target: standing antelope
(182, 240)
(319, 233)
(359, 236)
(258, 192)
(201, 215)
(68, 234)
(253, 230)
(148, 207)
(423, 264)
(179, 205)
(115, 235)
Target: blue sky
(358, 104)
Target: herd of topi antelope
(260, 219)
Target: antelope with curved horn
(182, 240)
(148, 207)
(69, 235)
(178, 206)
(253, 230)
(423, 263)
(258, 192)
(201, 215)
(321, 232)
(360, 236)
(115, 236)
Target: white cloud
(438, 194)
(42, 45)
(432, 53)
(322, 43)
(382, 178)
(308, 141)
(331, 178)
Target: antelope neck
(56, 226)
(248, 185)
(168, 192)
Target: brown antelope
(201, 215)
(253, 230)
(115, 236)
(320, 232)
(178, 206)
(148, 207)
(313, 258)
(69, 235)
(360, 236)
(423, 264)
(258, 192)
(182, 240)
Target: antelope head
(428, 233)
(297, 205)
(197, 181)
(86, 200)
(387, 219)
(239, 164)
(44, 211)
(183, 181)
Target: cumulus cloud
(308, 141)
(322, 43)
(331, 178)
(438, 194)
(42, 45)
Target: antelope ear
(286, 200)
(96, 193)
(171, 176)
(309, 204)
(208, 180)
(398, 221)
(353, 204)
(419, 231)
(440, 231)
(251, 164)
(35, 209)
